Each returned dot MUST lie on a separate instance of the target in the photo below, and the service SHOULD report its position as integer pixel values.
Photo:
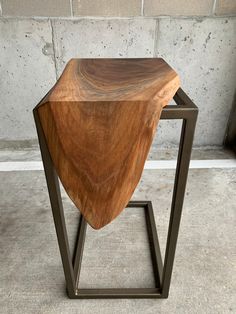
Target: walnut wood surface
(99, 121)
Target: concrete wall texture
(197, 38)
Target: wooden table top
(99, 121)
(113, 80)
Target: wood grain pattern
(99, 121)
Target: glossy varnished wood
(99, 121)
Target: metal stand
(185, 110)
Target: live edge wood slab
(99, 121)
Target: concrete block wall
(117, 8)
(197, 38)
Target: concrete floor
(204, 277)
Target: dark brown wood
(99, 121)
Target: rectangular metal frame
(185, 110)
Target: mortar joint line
(86, 17)
(156, 37)
(71, 8)
(142, 7)
(214, 7)
(54, 49)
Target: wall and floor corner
(197, 38)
